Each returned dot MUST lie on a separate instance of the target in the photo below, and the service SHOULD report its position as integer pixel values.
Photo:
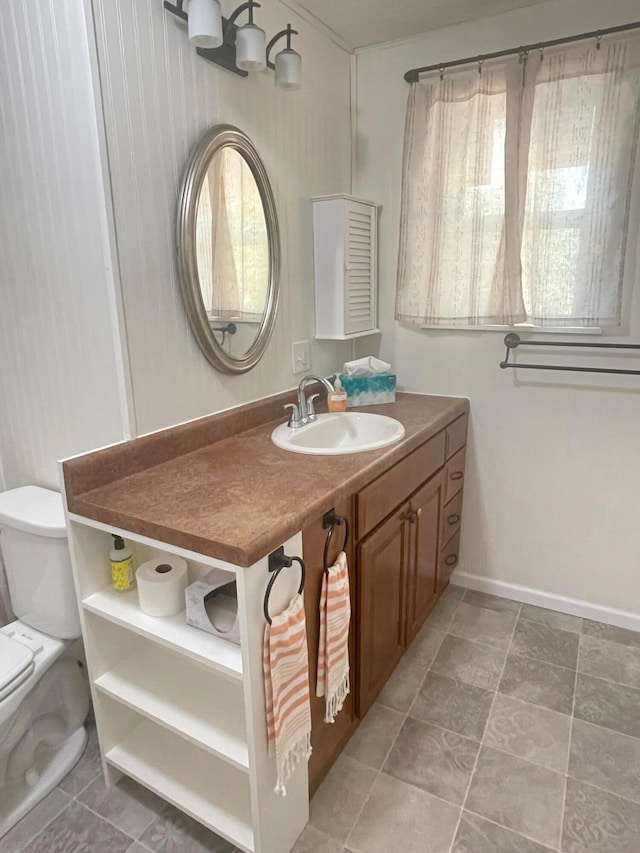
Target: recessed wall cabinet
(346, 267)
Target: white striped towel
(286, 684)
(333, 655)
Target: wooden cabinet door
(424, 526)
(381, 563)
(327, 739)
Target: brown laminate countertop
(237, 497)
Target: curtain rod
(413, 75)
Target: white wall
(159, 98)
(59, 375)
(552, 499)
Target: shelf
(348, 337)
(213, 793)
(172, 631)
(182, 700)
(155, 545)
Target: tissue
(369, 366)
(212, 605)
(368, 382)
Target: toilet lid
(16, 660)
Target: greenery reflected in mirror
(228, 250)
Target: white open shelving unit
(179, 710)
(123, 609)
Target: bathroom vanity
(182, 711)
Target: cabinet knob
(453, 519)
(451, 560)
(457, 475)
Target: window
(517, 190)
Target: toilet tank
(33, 541)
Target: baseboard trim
(561, 603)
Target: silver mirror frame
(219, 137)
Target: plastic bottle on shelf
(123, 576)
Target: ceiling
(361, 22)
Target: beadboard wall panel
(59, 376)
(159, 98)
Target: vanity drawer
(379, 499)
(456, 435)
(455, 475)
(449, 558)
(451, 519)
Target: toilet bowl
(44, 696)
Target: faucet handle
(310, 407)
(294, 417)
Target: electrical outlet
(301, 356)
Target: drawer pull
(457, 475)
(451, 560)
(413, 515)
(453, 519)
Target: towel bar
(512, 341)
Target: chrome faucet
(304, 412)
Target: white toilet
(44, 698)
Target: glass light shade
(205, 23)
(288, 69)
(251, 48)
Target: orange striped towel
(333, 655)
(286, 683)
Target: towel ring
(332, 520)
(277, 562)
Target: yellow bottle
(123, 577)
(337, 399)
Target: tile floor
(505, 729)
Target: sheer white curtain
(516, 190)
(231, 241)
(217, 269)
(582, 152)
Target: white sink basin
(339, 433)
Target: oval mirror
(228, 250)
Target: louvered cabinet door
(345, 258)
(360, 268)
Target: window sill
(538, 330)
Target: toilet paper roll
(161, 586)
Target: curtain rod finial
(412, 76)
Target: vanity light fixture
(288, 64)
(205, 23)
(241, 49)
(251, 41)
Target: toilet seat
(16, 664)
(31, 645)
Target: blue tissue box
(369, 390)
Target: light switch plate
(301, 356)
